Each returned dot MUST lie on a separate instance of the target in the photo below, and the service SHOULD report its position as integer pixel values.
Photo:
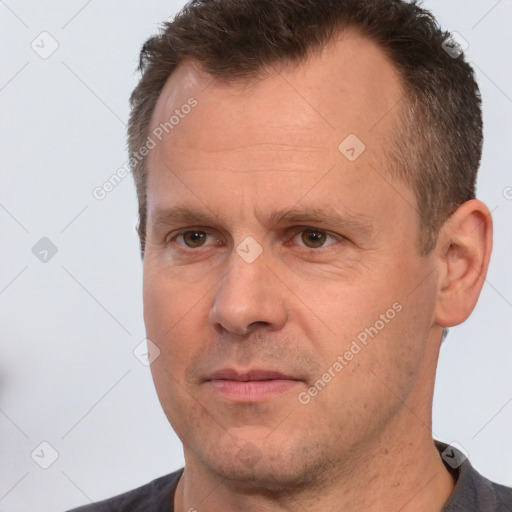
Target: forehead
(349, 87)
(290, 123)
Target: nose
(248, 297)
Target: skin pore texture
(345, 255)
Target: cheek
(380, 331)
(345, 313)
(159, 309)
(395, 356)
(166, 300)
(170, 317)
(379, 362)
(172, 323)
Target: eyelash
(297, 231)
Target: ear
(462, 252)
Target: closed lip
(249, 375)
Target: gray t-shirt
(472, 493)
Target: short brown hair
(437, 146)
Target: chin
(274, 467)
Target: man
(305, 173)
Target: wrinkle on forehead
(260, 147)
(245, 158)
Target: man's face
(301, 255)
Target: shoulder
(503, 497)
(473, 492)
(156, 496)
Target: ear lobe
(463, 251)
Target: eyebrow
(307, 215)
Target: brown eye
(194, 238)
(313, 238)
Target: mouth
(250, 386)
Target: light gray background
(68, 327)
